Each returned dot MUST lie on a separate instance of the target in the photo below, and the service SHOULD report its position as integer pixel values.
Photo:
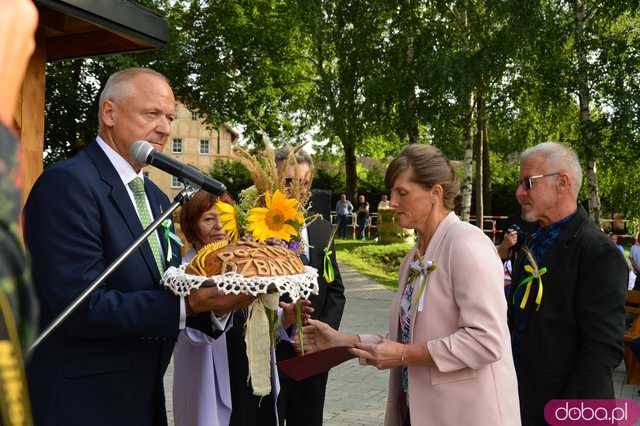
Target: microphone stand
(184, 195)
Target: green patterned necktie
(137, 187)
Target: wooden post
(30, 118)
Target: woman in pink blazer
(448, 345)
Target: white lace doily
(299, 286)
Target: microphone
(143, 152)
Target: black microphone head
(140, 151)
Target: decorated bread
(246, 258)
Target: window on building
(175, 183)
(195, 116)
(204, 146)
(177, 146)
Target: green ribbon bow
(534, 274)
(169, 235)
(327, 266)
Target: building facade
(192, 142)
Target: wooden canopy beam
(74, 29)
(99, 42)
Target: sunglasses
(289, 181)
(527, 182)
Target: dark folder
(305, 366)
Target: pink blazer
(463, 322)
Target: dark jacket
(302, 403)
(570, 346)
(249, 410)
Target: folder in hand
(305, 366)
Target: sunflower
(279, 219)
(229, 219)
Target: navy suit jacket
(104, 365)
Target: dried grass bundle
(268, 177)
(264, 176)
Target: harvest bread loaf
(246, 258)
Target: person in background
(567, 337)
(505, 251)
(344, 210)
(384, 202)
(302, 403)
(363, 216)
(18, 308)
(616, 240)
(634, 258)
(505, 248)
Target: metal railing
(371, 228)
(490, 225)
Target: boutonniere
(327, 267)
(535, 273)
(423, 269)
(169, 235)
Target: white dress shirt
(127, 174)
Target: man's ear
(108, 113)
(564, 182)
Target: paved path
(356, 395)
(621, 388)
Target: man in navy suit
(104, 365)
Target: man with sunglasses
(302, 403)
(566, 306)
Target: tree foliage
(365, 78)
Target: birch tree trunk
(478, 157)
(412, 120)
(467, 180)
(486, 164)
(585, 114)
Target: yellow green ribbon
(528, 282)
(169, 235)
(423, 285)
(424, 273)
(299, 325)
(327, 266)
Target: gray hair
(118, 85)
(559, 157)
(301, 156)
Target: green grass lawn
(377, 261)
